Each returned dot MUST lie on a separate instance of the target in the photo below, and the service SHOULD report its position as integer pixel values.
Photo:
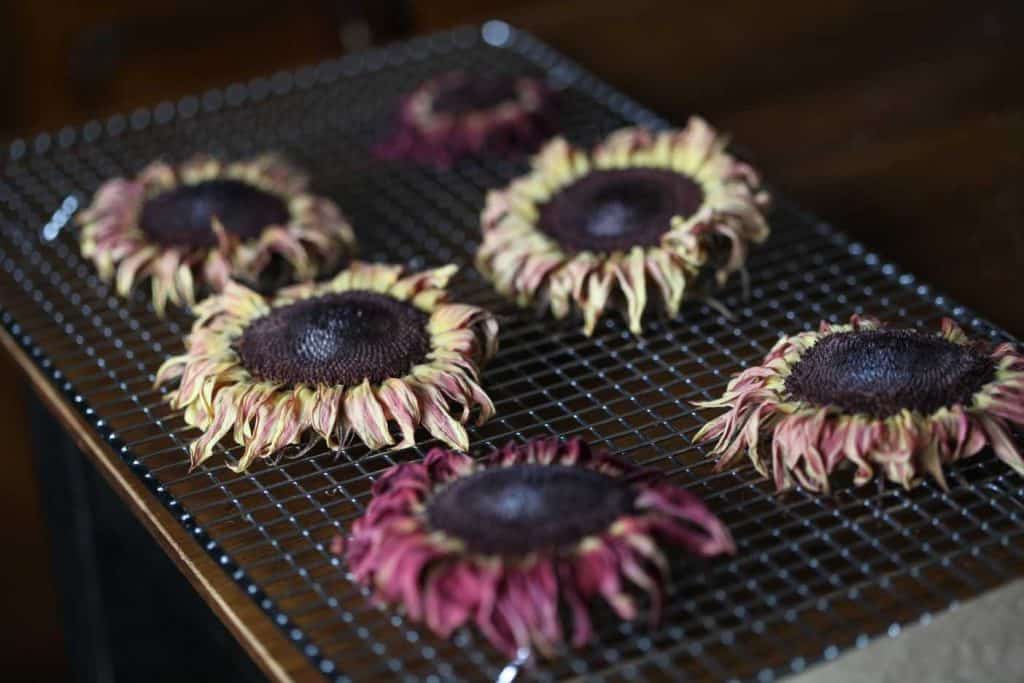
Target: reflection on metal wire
(511, 670)
(60, 218)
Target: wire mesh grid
(813, 575)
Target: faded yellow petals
(401, 405)
(425, 281)
(224, 414)
(364, 416)
(809, 441)
(630, 275)
(314, 238)
(434, 412)
(527, 265)
(219, 395)
(324, 414)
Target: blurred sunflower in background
(459, 113)
(205, 221)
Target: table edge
(266, 646)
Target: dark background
(901, 122)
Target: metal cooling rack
(813, 575)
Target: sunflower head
(904, 402)
(584, 231)
(536, 530)
(210, 221)
(458, 114)
(371, 348)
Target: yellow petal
(633, 283)
(364, 415)
(400, 404)
(434, 411)
(435, 279)
(324, 416)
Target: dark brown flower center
(336, 339)
(519, 509)
(614, 210)
(184, 216)
(474, 94)
(881, 372)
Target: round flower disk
(459, 114)
(903, 401)
(585, 231)
(212, 221)
(540, 529)
(351, 356)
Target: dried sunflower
(349, 356)
(540, 528)
(642, 205)
(457, 114)
(903, 401)
(210, 220)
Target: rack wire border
(495, 34)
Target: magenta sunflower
(542, 528)
(459, 114)
(210, 220)
(903, 401)
(643, 205)
(351, 356)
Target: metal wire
(814, 575)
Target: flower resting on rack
(538, 530)
(640, 216)
(210, 220)
(369, 349)
(459, 114)
(904, 402)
